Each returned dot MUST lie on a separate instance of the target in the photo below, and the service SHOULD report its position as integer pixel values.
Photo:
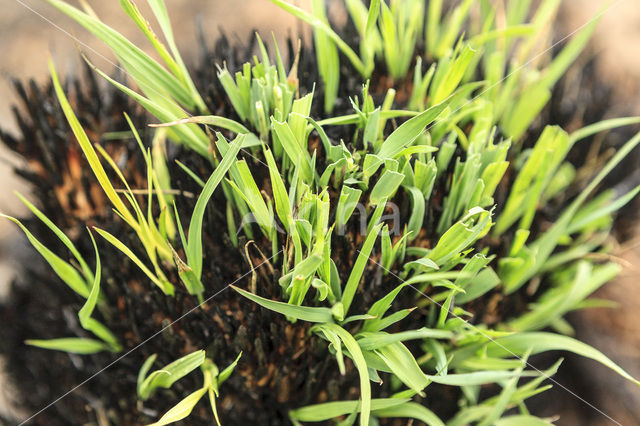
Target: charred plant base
(282, 366)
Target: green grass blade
(319, 25)
(385, 187)
(171, 373)
(607, 210)
(522, 420)
(182, 409)
(88, 274)
(542, 342)
(194, 240)
(410, 410)
(328, 59)
(296, 153)
(142, 374)
(134, 13)
(403, 365)
(160, 11)
(224, 374)
(417, 212)
(358, 268)
(331, 410)
(165, 286)
(404, 135)
(361, 365)
(370, 341)
(569, 53)
(64, 270)
(167, 111)
(347, 203)
(304, 313)
(545, 245)
(144, 70)
(601, 126)
(84, 315)
(211, 120)
(280, 196)
(478, 377)
(74, 345)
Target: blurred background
(31, 28)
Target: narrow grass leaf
(182, 409)
(194, 240)
(209, 120)
(543, 342)
(522, 420)
(403, 365)
(478, 377)
(171, 373)
(74, 345)
(361, 365)
(410, 410)
(88, 274)
(385, 187)
(146, 71)
(304, 313)
(601, 126)
(64, 270)
(358, 268)
(331, 410)
(322, 26)
(370, 341)
(224, 374)
(142, 374)
(87, 309)
(165, 286)
(408, 132)
(88, 149)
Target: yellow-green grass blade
(88, 149)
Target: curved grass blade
(304, 313)
(361, 365)
(211, 120)
(61, 235)
(601, 126)
(171, 373)
(411, 410)
(182, 409)
(194, 240)
(319, 25)
(370, 341)
(543, 342)
(143, 69)
(404, 135)
(64, 270)
(165, 286)
(87, 309)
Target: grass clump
(375, 225)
